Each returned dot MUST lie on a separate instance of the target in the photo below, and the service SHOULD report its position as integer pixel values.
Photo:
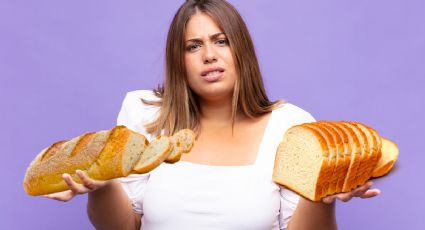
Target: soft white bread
(389, 156)
(102, 155)
(301, 162)
(182, 142)
(331, 165)
(323, 158)
(156, 152)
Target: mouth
(212, 74)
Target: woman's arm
(108, 205)
(313, 215)
(110, 208)
(321, 215)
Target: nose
(209, 54)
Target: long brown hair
(179, 106)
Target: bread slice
(301, 162)
(364, 154)
(355, 156)
(389, 156)
(121, 152)
(378, 154)
(331, 158)
(346, 155)
(366, 169)
(339, 157)
(102, 155)
(182, 142)
(156, 152)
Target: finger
(61, 196)
(329, 199)
(74, 186)
(345, 196)
(362, 189)
(87, 182)
(370, 193)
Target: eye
(222, 41)
(193, 46)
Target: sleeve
(133, 115)
(289, 199)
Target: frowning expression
(209, 61)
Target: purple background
(65, 67)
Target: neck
(219, 112)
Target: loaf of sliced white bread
(103, 155)
(322, 158)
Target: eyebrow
(212, 37)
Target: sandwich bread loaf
(323, 158)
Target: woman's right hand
(88, 185)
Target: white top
(187, 195)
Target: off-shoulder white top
(187, 195)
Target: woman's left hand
(363, 191)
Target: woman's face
(209, 62)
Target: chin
(216, 94)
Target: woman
(212, 85)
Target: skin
(206, 46)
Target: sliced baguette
(121, 152)
(389, 156)
(182, 142)
(156, 152)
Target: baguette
(102, 155)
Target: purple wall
(65, 67)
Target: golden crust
(318, 195)
(359, 148)
(99, 154)
(355, 159)
(347, 157)
(322, 180)
(331, 163)
(388, 158)
(364, 154)
(52, 150)
(378, 153)
(383, 170)
(339, 157)
(362, 174)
